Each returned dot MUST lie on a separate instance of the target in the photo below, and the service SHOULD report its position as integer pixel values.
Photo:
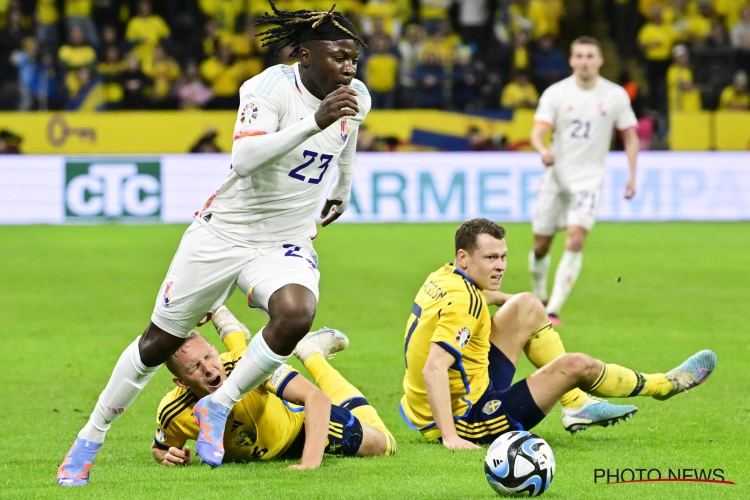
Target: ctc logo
(113, 190)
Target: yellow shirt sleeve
(174, 419)
(278, 381)
(726, 98)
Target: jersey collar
(309, 99)
(461, 273)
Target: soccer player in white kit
(582, 110)
(295, 123)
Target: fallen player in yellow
(285, 417)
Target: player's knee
(577, 365)
(541, 247)
(531, 312)
(156, 345)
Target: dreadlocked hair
(293, 24)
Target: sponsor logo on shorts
(491, 407)
(463, 337)
(168, 294)
(112, 189)
(249, 113)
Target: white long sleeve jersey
(282, 162)
(583, 122)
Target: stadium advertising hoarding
(407, 187)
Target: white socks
(257, 364)
(128, 379)
(565, 277)
(538, 269)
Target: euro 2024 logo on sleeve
(112, 189)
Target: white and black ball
(519, 463)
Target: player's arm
(255, 150)
(338, 198)
(317, 416)
(173, 456)
(537, 142)
(496, 298)
(632, 145)
(436, 382)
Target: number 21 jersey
(279, 202)
(583, 121)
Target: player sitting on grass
(461, 361)
(263, 425)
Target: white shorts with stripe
(206, 269)
(559, 206)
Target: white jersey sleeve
(546, 111)
(259, 141)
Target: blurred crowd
(185, 54)
(695, 53)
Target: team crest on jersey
(344, 130)
(602, 109)
(246, 438)
(491, 407)
(249, 113)
(168, 293)
(463, 337)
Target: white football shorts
(558, 206)
(206, 268)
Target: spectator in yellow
(224, 12)
(442, 42)
(696, 27)
(432, 13)
(164, 71)
(74, 56)
(381, 69)
(47, 17)
(546, 16)
(656, 39)
(735, 97)
(111, 70)
(225, 77)
(519, 93)
(146, 29)
(78, 13)
(730, 11)
(520, 57)
(684, 95)
(246, 47)
(387, 11)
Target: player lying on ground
(256, 231)
(461, 361)
(583, 109)
(263, 425)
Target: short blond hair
(170, 363)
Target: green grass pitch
(649, 296)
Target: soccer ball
(519, 463)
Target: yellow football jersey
(450, 311)
(260, 427)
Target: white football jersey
(583, 121)
(280, 203)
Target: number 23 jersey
(583, 121)
(280, 202)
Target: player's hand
(338, 104)
(548, 157)
(458, 443)
(176, 457)
(330, 206)
(303, 466)
(630, 189)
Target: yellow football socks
(235, 340)
(339, 390)
(620, 382)
(542, 348)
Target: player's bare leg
(292, 310)
(567, 270)
(523, 321)
(539, 261)
(132, 372)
